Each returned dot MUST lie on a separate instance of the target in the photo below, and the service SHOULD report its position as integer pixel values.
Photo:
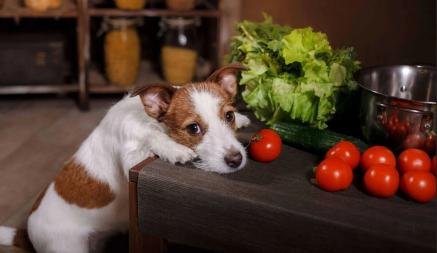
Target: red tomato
(265, 145)
(419, 185)
(377, 155)
(414, 159)
(346, 151)
(381, 180)
(334, 174)
(399, 132)
(433, 165)
(414, 140)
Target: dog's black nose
(233, 158)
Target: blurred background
(63, 63)
(109, 46)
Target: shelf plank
(16, 9)
(107, 89)
(38, 89)
(153, 13)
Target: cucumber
(312, 139)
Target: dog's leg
(241, 120)
(169, 150)
(153, 142)
(132, 153)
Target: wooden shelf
(38, 89)
(15, 9)
(96, 12)
(107, 89)
(99, 84)
(90, 80)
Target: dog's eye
(194, 129)
(230, 116)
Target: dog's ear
(226, 77)
(155, 98)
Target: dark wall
(382, 31)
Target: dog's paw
(241, 120)
(179, 154)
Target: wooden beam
(153, 13)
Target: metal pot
(398, 106)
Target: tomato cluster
(418, 180)
(409, 131)
(413, 171)
(335, 172)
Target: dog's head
(202, 117)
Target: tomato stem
(257, 137)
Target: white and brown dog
(90, 194)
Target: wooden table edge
(134, 171)
(139, 242)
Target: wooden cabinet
(90, 77)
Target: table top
(278, 204)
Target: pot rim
(433, 68)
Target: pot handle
(426, 120)
(404, 109)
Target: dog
(195, 122)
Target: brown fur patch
(77, 187)
(223, 110)
(21, 240)
(38, 200)
(181, 113)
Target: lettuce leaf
(294, 74)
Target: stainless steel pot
(398, 106)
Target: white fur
(125, 137)
(7, 235)
(219, 138)
(241, 120)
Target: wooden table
(271, 208)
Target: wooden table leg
(139, 242)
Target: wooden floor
(36, 137)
